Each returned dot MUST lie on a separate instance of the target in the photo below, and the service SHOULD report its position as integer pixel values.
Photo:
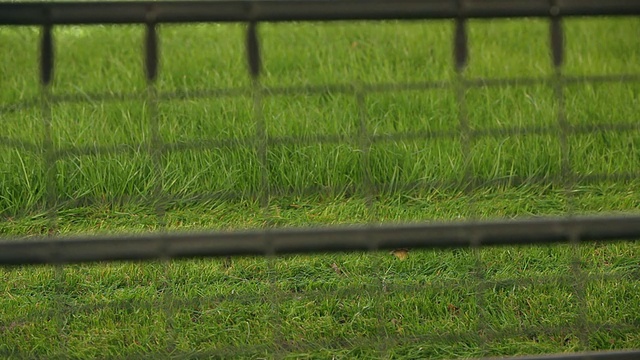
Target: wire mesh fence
(441, 163)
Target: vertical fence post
(461, 55)
(49, 156)
(255, 65)
(155, 146)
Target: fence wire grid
(507, 237)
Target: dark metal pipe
(294, 10)
(313, 240)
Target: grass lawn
(340, 141)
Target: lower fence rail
(55, 250)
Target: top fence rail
(69, 13)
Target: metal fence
(473, 232)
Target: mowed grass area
(437, 304)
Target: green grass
(433, 305)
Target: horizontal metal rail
(294, 10)
(284, 241)
(603, 355)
